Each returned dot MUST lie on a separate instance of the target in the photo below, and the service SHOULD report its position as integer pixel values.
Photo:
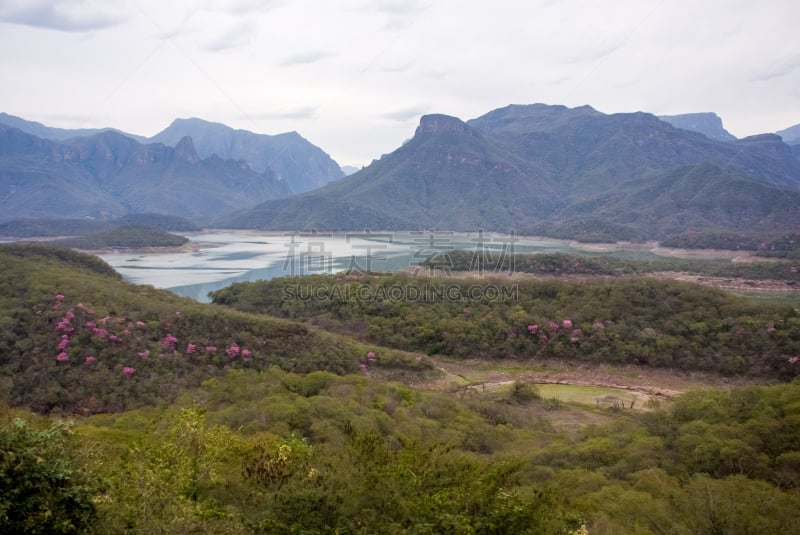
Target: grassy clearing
(594, 395)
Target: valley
(618, 351)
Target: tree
(43, 487)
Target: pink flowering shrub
(533, 329)
(191, 349)
(169, 341)
(62, 357)
(127, 371)
(567, 324)
(232, 351)
(89, 359)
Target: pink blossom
(191, 349)
(144, 354)
(371, 356)
(232, 351)
(91, 325)
(169, 341)
(64, 341)
(576, 335)
(101, 333)
(177, 313)
(104, 320)
(59, 297)
(533, 329)
(794, 360)
(362, 367)
(89, 359)
(211, 349)
(140, 324)
(553, 326)
(543, 338)
(62, 357)
(128, 371)
(567, 324)
(114, 338)
(245, 353)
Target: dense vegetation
(131, 236)
(785, 246)
(74, 337)
(275, 452)
(643, 321)
(284, 428)
(559, 264)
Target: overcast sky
(354, 76)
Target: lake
(224, 257)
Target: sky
(354, 76)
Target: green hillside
(71, 328)
(131, 236)
(191, 418)
(624, 320)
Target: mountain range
(288, 156)
(107, 175)
(539, 169)
(558, 171)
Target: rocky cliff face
(186, 152)
(708, 124)
(439, 124)
(301, 165)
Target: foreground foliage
(276, 452)
(43, 487)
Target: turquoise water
(225, 257)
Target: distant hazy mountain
(708, 124)
(791, 135)
(552, 170)
(57, 134)
(108, 175)
(349, 169)
(300, 164)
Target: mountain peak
(439, 123)
(186, 151)
(707, 123)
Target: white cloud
(61, 15)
